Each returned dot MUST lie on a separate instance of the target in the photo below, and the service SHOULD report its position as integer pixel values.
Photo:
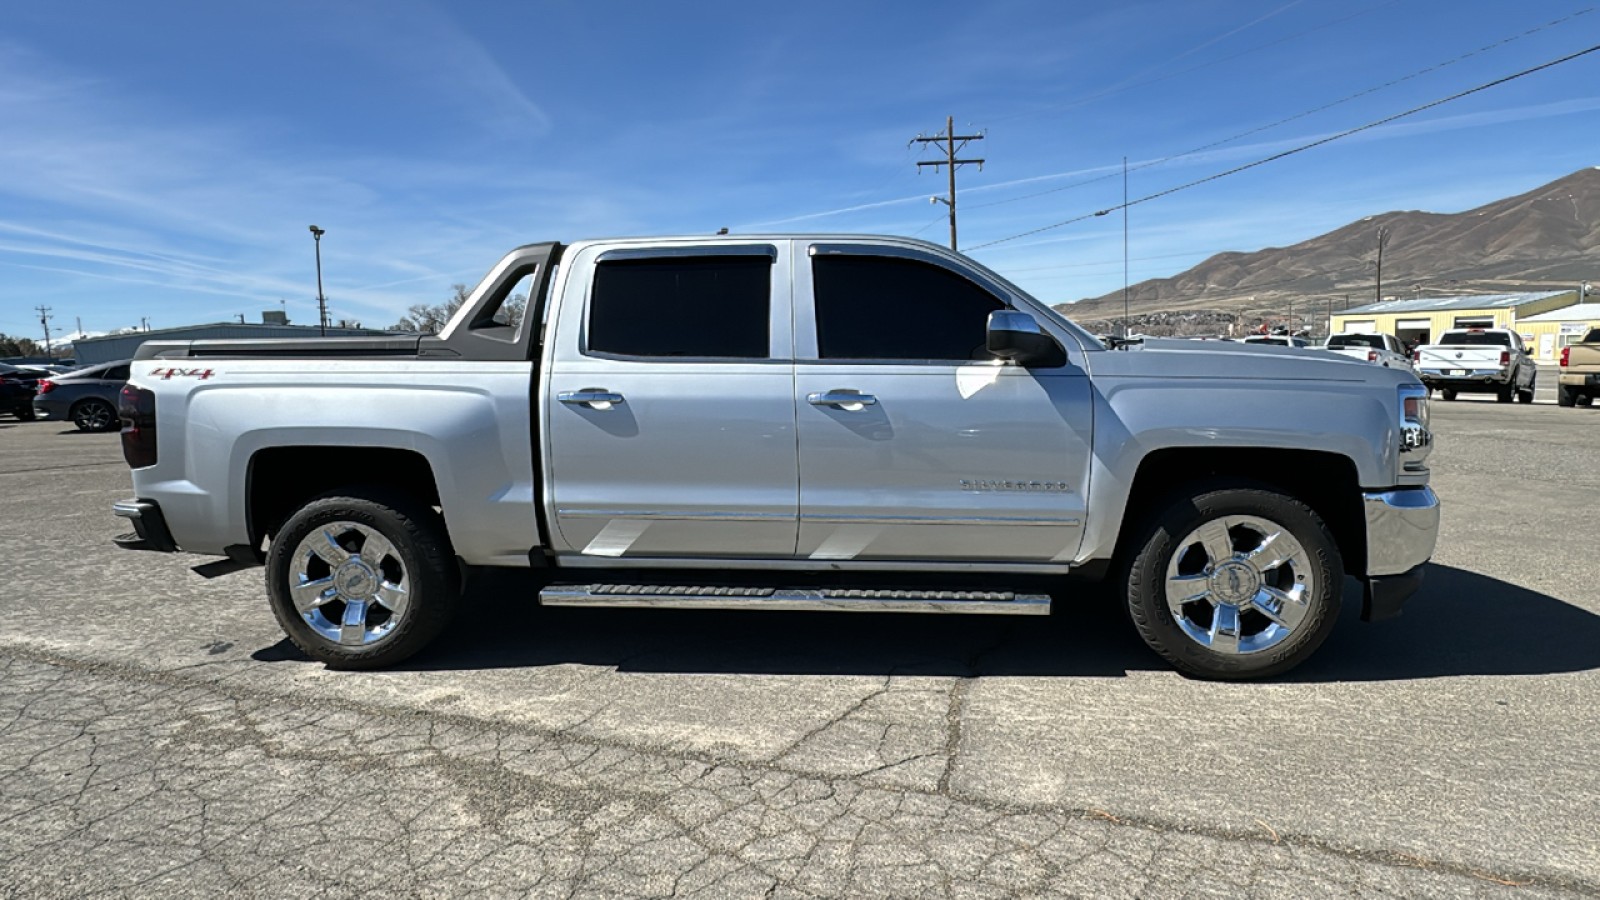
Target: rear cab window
(1356, 340)
(713, 306)
(1476, 339)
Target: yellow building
(1547, 333)
(1418, 321)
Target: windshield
(1355, 340)
(1477, 338)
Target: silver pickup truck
(785, 422)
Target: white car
(1382, 349)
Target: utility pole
(44, 319)
(949, 139)
(1124, 246)
(1383, 241)
(322, 302)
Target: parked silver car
(87, 397)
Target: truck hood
(1233, 361)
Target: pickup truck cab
(1580, 371)
(785, 422)
(1481, 361)
(1278, 340)
(1381, 349)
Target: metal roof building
(1547, 333)
(1419, 319)
(89, 351)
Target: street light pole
(322, 302)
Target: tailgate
(1460, 357)
(1583, 359)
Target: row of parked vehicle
(86, 397)
(1463, 361)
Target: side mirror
(1015, 335)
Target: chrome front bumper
(1402, 529)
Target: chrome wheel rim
(349, 584)
(95, 417)
(1239, 585)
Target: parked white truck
(1380, 349)
(785, 422)
(1478, 361)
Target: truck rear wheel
(1235, 582)
(1565, 396)
(1448, 394)
(361, 579)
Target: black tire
(26, 415)
(1526, 395)
(94, 414)
(1146, 578)
(1504, 395)
(1565, 396)
(1585, 400)
(429, 575)
(1448, 394)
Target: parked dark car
(17, 387)
(87, 397)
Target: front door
(914, 445)
(670, 406)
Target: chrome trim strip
(574, 561)
(692, 250)
(674, 515)
(798, 600)
(935, 520)
(1402, 529)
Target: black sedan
(86, 397)
(18, 385)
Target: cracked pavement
(158, 738)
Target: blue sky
(164, 159)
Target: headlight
(1416, 440)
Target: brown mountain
(1545, 239)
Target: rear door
(914, 444)
(669, 407)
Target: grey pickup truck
(785, 422)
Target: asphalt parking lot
(158, 737)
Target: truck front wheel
(1234, 582)
(361, 579)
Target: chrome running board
(820, 600)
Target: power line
(1303, 147)
(1300, 115)
(1126, 86)
(949, 139)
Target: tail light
(1372, 356)
(137, 408)
(1566, 354)
(1505, 357)
(46, 385)
(1416, 356)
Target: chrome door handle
(846, 400)
(594, 398)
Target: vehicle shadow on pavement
(1460, 623)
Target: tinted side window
(707, 306)
(115, 373)
(873, 307)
